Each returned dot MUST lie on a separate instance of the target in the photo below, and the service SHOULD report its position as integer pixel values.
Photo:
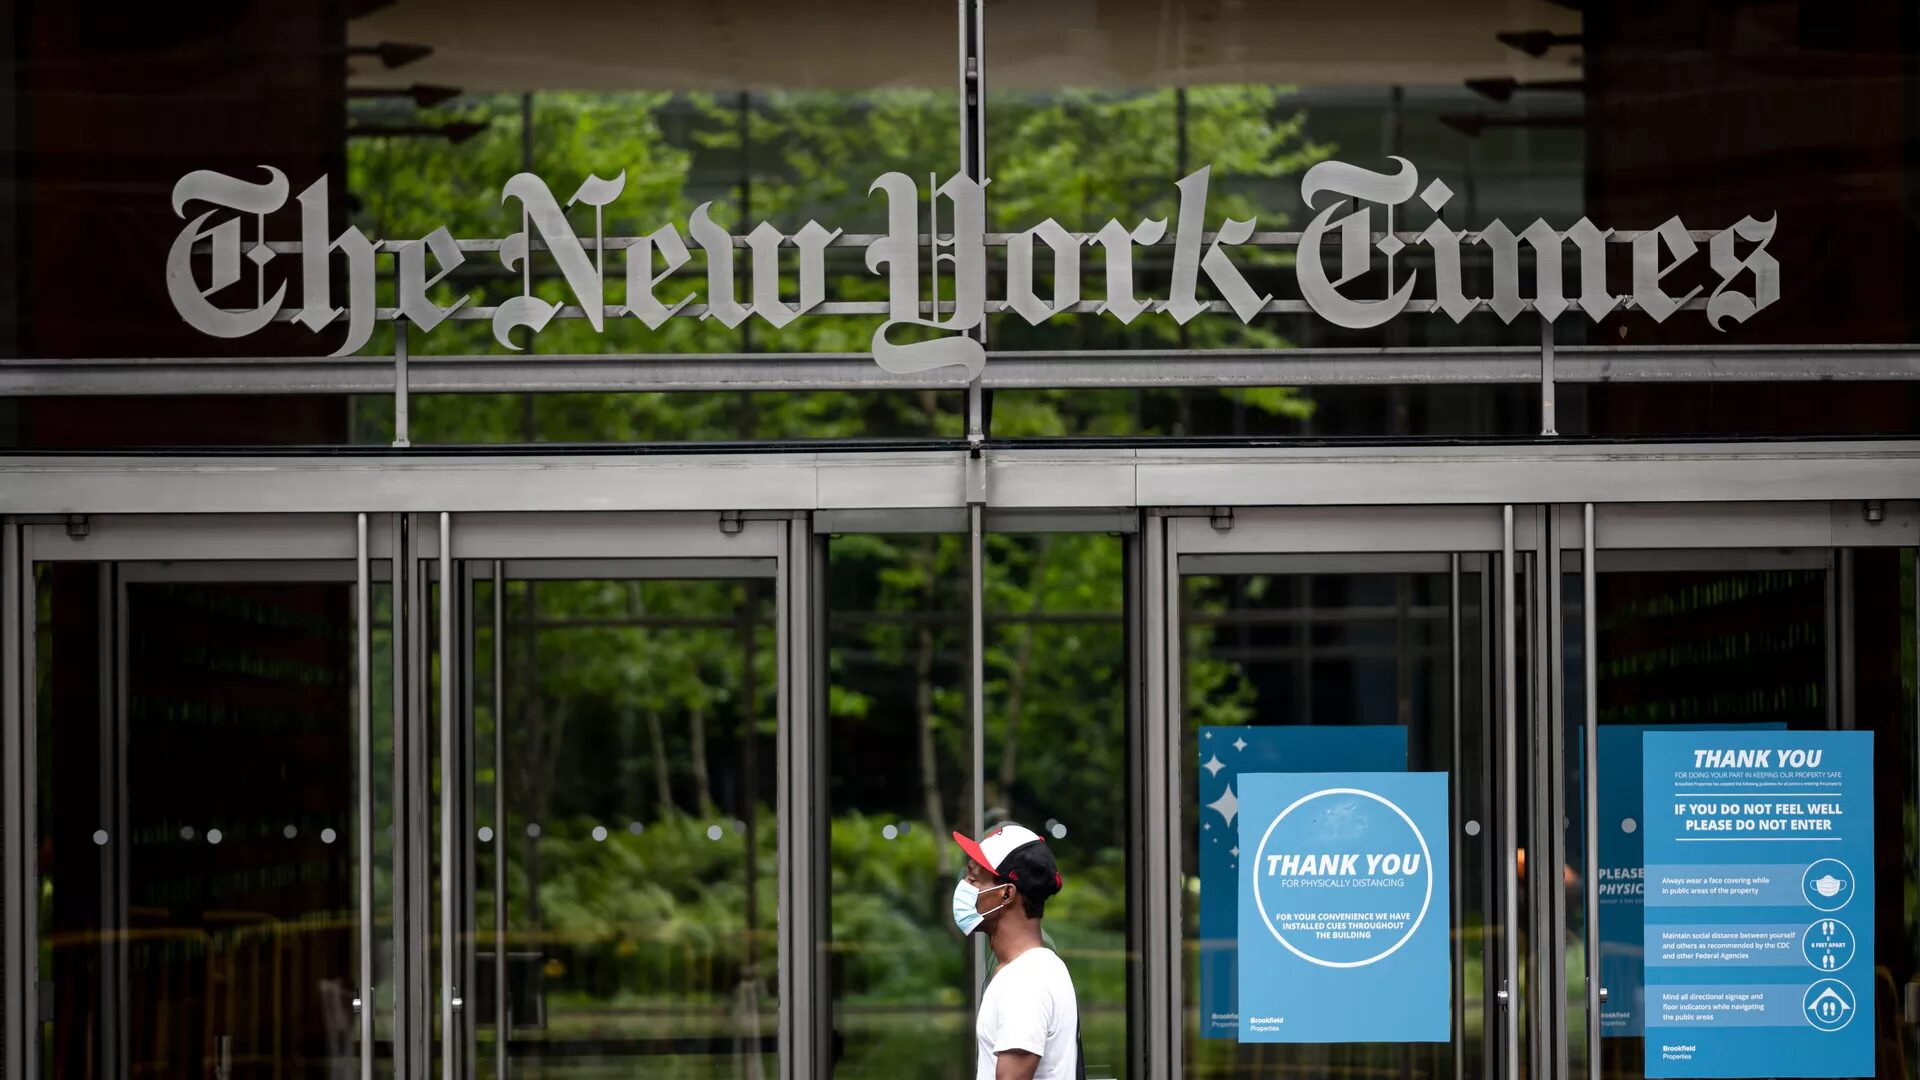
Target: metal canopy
(1019, 479)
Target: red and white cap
(991, 850)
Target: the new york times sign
(1337, 247)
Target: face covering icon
(1827, 885)
(965, 900)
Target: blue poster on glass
(1621, 881)
(1759, 903)
(1344, 913)
(1225, 753)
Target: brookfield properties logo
(1335, 250)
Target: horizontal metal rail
(1827, 472)
(992, 239)
(1037, 370)
(484, 313)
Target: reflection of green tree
(666, 710)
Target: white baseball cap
(991, 850)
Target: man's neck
(1009, 941)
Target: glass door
(610, 845)
(1777, 622)
(1346, 728)
(201, 737)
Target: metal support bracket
(977, 476)
(1547, 419)
(400, 425)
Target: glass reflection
(631, 818)
(197, 789)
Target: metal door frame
(469, 547)
(1653, 537)
(351, 548)
(151, 549)
(1323, 539)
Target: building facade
(526, 527)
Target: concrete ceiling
(515, 45)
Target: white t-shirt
(1029, 1005)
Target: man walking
(1029, 1024)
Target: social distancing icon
(1828, 944)
(1829, 1005)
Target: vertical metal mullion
(108, 613)
(1509, 834)
(790, 902)
(811, 622)
(363, 627)
(122, 826)
(1133, 563)
(973, 164)
(1589, 686)
(1454, 825)
(468, 729)
(1165, 778)
(977, 700)
(1537, 1003)
(1828, 695)
(1156, 974)
(502, 1021)
(1845, 659)
(17, 769)
(800, 921)
(1553, 790)
(449, 765)
(403, 933)
(399, 941)
(420, 804)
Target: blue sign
(1621, 867)
(1344, 914)
(1759, 903)
(1225, 753)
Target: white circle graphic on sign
(1828, 884)
(1828, 1005)
(1827, 944)
(1261, 857)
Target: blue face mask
(966, 901)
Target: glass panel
(746, 122)
(1325, 650)
(1056, 748)
(1626, 115)
(1793, 647)
(899, 759)
(630, 794)
(198, 825)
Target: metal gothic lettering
(1334, 251)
